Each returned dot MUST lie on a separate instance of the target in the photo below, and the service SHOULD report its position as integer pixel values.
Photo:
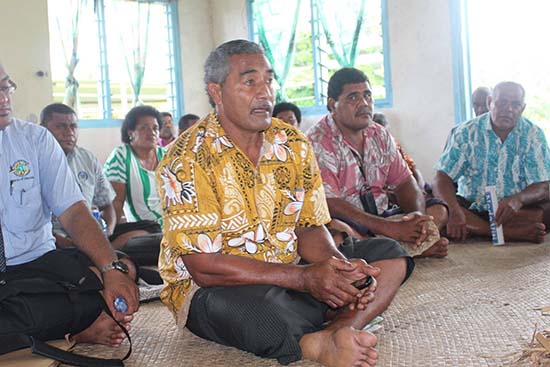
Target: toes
(371, 362)
(372, 353)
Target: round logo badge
(82, 175)
(20, 168)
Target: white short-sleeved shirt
(35, 182)
(95, 187)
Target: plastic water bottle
(120, 305)
(102, 224)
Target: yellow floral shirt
(215, 200)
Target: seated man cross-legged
(62, 122)
(242, 201)
(359, 160)
(503, 149)
(36, 182)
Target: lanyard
(359, 162)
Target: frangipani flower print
(278, 148)
(251, 240)
(297, 202)
(205, 244)
(176, 192)
(287, 236)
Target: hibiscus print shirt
(215, 200)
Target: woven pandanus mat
(477, 307)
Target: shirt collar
(214, 129)
(337, 135)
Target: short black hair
(342, 77)
(183, 123)
(166, 114)
(132, 117)
(49, 110)
(287, 106)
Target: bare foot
(104, 331)
(439, 249)
(531, 232)
(344, 347)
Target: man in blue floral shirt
(503, 149)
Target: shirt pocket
(25, 206)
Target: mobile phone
(363, 283)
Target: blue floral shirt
(475, 157)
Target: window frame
(316, 33)
(460, 45)
(104, 91)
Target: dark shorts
(543, 205)
(144, 225)
(144, 250)
(269, 321)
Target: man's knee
(264, 320)
(374, 250)
(56, 315)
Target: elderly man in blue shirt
(36, 182)
(503, 149)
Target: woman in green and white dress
(131, 170)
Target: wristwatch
(115, 265)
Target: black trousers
(269, 321)
(49, 297)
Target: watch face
(120, 266)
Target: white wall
(25, 51)
(196, 43)
(422, 78)
(420, 51)
(229, 19)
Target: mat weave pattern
(474, 308)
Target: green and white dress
(142, 199)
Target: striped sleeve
(115, 165)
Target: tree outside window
(306, 41)
(110, 55)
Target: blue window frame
(312, 53)
(461, 60)
(107, 52)
(500, 50)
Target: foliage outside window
(501, 52)
(110, 55)
(306, 41)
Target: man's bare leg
(521, 229)
(343, 343)
(441, 217)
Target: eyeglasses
(10, 89)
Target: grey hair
(510, 84)
(216, 67)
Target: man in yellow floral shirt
(243, 201)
